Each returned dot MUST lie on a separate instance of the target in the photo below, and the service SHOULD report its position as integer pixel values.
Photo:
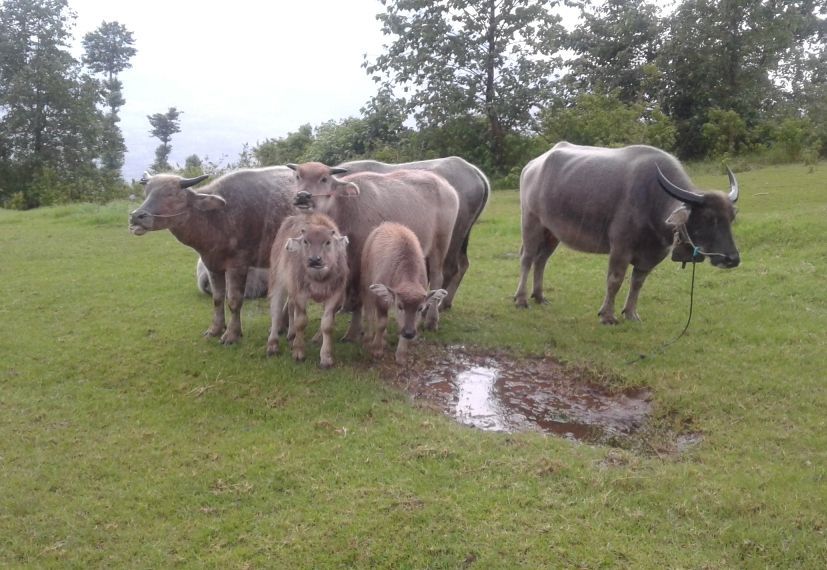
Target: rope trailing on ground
(669, 343)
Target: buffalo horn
(145, 178)
(187, 182)
(677, 192)
(733, 186)
(292, 166)
(338, 170)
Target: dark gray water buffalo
(628, 202)
(473, 190)
(255, 288)
(231, 223)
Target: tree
(461, 59)
(283, 150)
(729, 55)
(164, 125)
(50, 126)
(616, 43)
(108, 50)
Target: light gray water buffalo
(308, 261)
(231, 223)
(255, 288)
(394, 279)
(632, 203)
(418, 199)
(473, 190)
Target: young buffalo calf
(308, 261)
(394, 276)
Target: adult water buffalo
(231, 223)
(473, 190)
(256, 281)
(421, 200)
(628, 202)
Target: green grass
(128, 440)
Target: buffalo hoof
(520, 303)
(631, 316)
(213, 332)
(298, 355)
(326, 363)
(540, 300)
(272, 349)
(608, 320)
(377, 354)
(227, 339)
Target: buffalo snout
(729, 261)
(303, 200)
(314, 261)
(408, 333)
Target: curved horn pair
(187, 182)
(333, 169)
(686, 196)
(694, 197)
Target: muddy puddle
(497, 392)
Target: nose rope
(684, 234)
(166, 215)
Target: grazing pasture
(127, 440)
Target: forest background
(494, 81)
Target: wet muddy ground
(498, 392)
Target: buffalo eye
(400, 306)
(324, 179)
(305, 242)
(327, 243)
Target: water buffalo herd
(375, 238)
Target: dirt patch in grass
(501, 392)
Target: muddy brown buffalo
(308, 261)
(358, 203)
(627, 202)
(230, 222)
(394, 279)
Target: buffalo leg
(614, 279)
(432, 314)
(544, 251)
(236, 282)
(328, 322)
(453, 269)
(277, 318)
(535, 237)
(354, 330)
(379, 326)
(299, 324)
(630, 308)
(219, 288)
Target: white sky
(239, 71)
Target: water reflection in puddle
(500, 393)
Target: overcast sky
(240, 71)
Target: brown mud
(500, 392)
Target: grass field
(129, 441)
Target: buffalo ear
(292, 245)
(349, 189)
(207, 202)
(343, 241)
(435, 297)
(383, 293)
(679, 216)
